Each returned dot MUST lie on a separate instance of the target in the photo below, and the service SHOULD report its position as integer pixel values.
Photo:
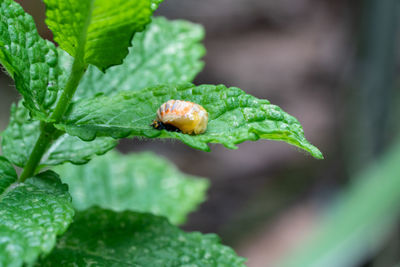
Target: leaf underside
(234, 117)
(139, 182)
(32, 214)
(106, 238)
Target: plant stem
(78, 69)
(47, 130)
(39, 149)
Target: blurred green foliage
(359, 221)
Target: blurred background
(334, 66)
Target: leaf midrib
(80, 53)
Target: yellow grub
(187, 116)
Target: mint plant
(115, 65)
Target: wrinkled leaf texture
(30, 60)
(107, 238)
(141, 182)
(167, 52)
(234, 117)
(148, 63)
(22, 132)
(32, 214)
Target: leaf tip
(315, 152)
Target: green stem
(47, 130)
(39, 149)
(78, 69)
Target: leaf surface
(155, 4)
(32, 214)
(98, 32)
(167, 52)
(7, 174)
(30, 60)
(139, 182)
(22, 132)
(234, 117)
(108, 238)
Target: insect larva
(188, 117)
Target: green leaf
(7, 174)
(32, 214)
(30, 60)
(138, 182)
(106, 238)
(359, 221)
(155, 4)
(72, 149)
(234, 117)
(167, 52)
(22, 132)
(98, 32)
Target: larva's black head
(161, 126)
